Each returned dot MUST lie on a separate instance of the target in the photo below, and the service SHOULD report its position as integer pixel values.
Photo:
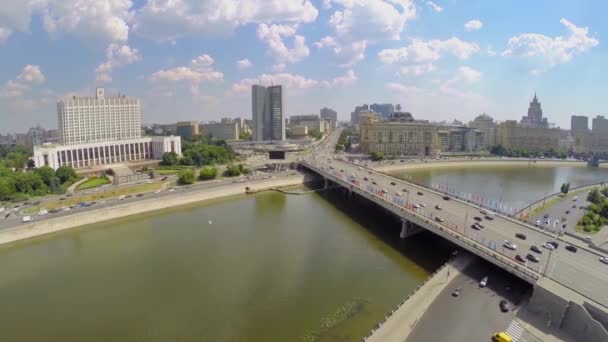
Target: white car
(604, 260)
(548, 246)
(483, 282)
(26, 219)
(422, 204)
(509, 245)
(416, 206)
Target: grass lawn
(93, 183)
(96, 196)
(167, 172)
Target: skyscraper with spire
(535, 115)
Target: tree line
(500, 150)
(597, 216)
(200, 153)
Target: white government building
(102, 130)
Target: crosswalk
(515, 330)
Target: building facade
(111, 152)
(486, 125)
(329, 114)
(267, 113)
(225, 131)
(579, 123)
(187, 129)
(385, 110)
(84, 120)
(399, 139)
(354, 116)
(510, 134)
(535, 115)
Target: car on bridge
(532, 257)
(438, 207)
(571, 248)
(509, 245)
(604, 260)
(446, 198)
(548, 246)
(483, 282)
(438, 219)
(520, 236)
(504, 306)
(519, 258)
(420, 193)
(535, 249)
(477, 218)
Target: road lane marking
(515, 330)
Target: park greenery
(597, 215)
(315, 134)
(500, 150)
(207, 172)
(199, 153)
(376, 156)
(565, 188)
(186, 176)
(236, 170)
(344, 140)
(94, 182)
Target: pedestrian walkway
(515, 330)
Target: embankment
(52, 225)
(473, 163)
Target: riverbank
(48, 226)
(400, 323)
(477, 163)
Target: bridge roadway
(581, 272)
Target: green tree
(595, 196)
(31, 184)
(233, 170)
(186, 176)
(377, 156)
(49, 178)
(169, 159)
(245, 136)
(565, 188)
(7, 188)
(604, 191)
(18, 160)
(66, 174)
(208, 172)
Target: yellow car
(501, 337)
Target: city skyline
(440, 61)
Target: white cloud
(116, 56)
(164, 20)
(417, 69)
(326, 41)
(279, 67)
(30, 75)
(91, 20)
(200, 70)
(467, 74)
(473, 25)
(243, 64)
(552, 50)
(420, 51)
(490, 51)
(371, 19)
(4, 34)
(292, 82)
(434, 6)
(273, 36)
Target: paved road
(579, 271)
(475, 314)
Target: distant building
(329, 114)
(402, 116)
(354, 116)
(267, 113)
(579, 123)
(225, 131)
(510, 134)
(385, 110)
(535, 115)
(299, 132)
(368, 117)
(486, 125)
(187, 129)
(599, 133)
(312, 122)
(85, 120)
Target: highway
(581, 271)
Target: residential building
(298, 132)
(535, 115)
(296, 120)
(267, 113)
(85, 120)
(224, 130)
(124, 142)
(579, 123)
(329, 114)
(399, 138)
(312, 122)
(599, 133)
(458, 138)
(187, 129)
(368, 116)
(354, 116)
(486, 125)
(510, 134)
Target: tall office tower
(579, 123)
(267, 113)
(84, 120)
(535, 115)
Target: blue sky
(196, 59)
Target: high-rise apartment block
(267, 113)
(579, 123)
(85, 120)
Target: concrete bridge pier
(408, 229)
(325, 183)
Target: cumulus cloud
(417, 69)
(347, 53)
(243, 64)
(116, 56)
(164, 20)
(434, 6)
(467, 74)
(199, 70)
(552, 50)
(326, 41)
(30, 75)
(421, 51)
(273, 36)
(293, 82)
(473, 25)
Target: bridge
(579, 274)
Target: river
(269, 267)
(513, 186)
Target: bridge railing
(405, 209)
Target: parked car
(488, 217)
(532, 257)
(520, 236)
(571, 248)
(374, 182)
(535, 249)
(504, 306)
(509, 245)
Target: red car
(520, 259)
